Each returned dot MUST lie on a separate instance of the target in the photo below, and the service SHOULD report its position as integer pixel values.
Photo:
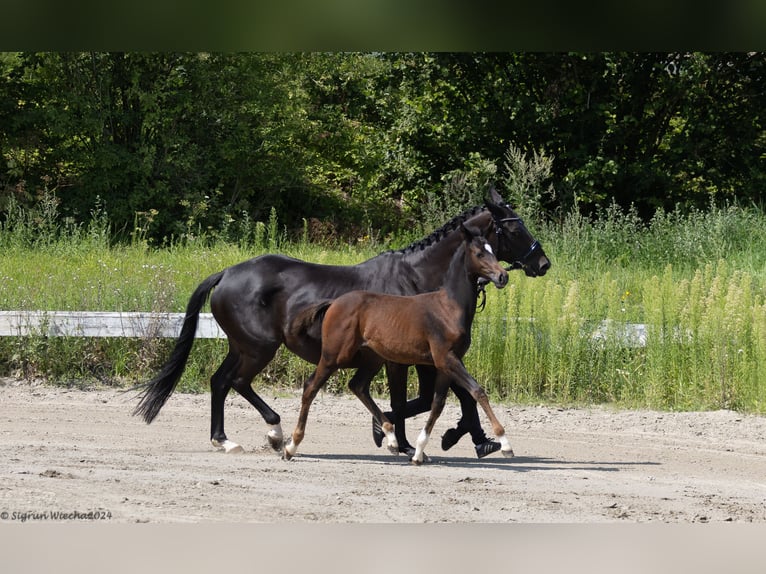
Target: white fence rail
(168, 325)
(102, 324)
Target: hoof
(276, 438)
(411, 455)
(288, 452)
(394, 449)
(276, 442)
(229, 447)
(506, 450)
(450, 438)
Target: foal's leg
(437, 406)
(310, 389)
(459, 374)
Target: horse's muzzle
(500, 280)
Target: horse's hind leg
(238, 371)
(220, 384)
(249, 368)
(360, 386)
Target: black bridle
(520, 262)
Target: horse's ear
(494, 196)
(495, 208)
(469, 231)
(495, 203)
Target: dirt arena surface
(78, 452)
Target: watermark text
(54, 515)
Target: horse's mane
(444, 230)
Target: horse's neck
(460, 285)
(430, 261)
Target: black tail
(157, 391)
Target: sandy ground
(79, 452)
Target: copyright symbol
(4, 515)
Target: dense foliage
(179, 144)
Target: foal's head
(480, 260)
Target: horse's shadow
(515, 464)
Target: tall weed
(667, 314)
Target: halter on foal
(426, 329)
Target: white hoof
(419, 457)
(393, 444)
(289, 450)
(229, 447)
(505, 447)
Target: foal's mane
(443, 231)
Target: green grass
(697, 281)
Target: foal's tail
(157, 391)
(309, 320)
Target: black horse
(256, 302)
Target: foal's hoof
(507, 453)
(229, 447)
(289, 450)
(411, 454)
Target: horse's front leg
(396, 374)
(437, 406)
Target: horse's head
(514, 242)
(480, 258)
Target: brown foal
(428, 329)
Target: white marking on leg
(393, 444)
(275, 437)
(505, 446)
(228, 446)
(275, 433)
(290, 448)
(420, 446)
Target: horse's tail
(157, 391)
